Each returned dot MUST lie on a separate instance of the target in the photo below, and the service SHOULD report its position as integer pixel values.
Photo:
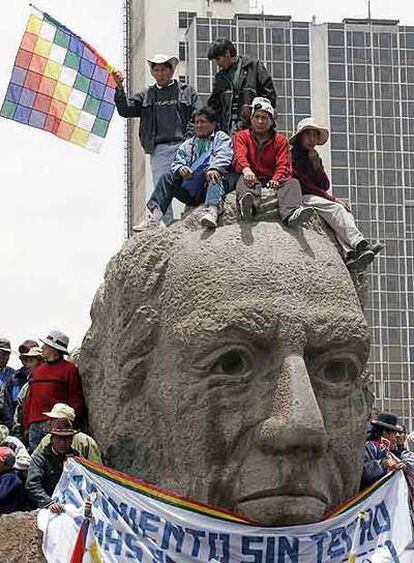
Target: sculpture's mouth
(276, 507)
(285, 492)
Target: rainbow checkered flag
(60, 84)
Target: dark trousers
(289, 195)
(169, 187)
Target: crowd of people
(200, 154)
(42, 409)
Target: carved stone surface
(20, 540)
(230, 367)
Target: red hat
(7, 456)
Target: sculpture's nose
(295, 422)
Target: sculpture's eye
(234, 362)
(339, 371)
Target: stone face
(20, 540)
(230, 367)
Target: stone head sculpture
(231, 368)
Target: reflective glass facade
(371, 85)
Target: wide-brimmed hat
(310, 123)
(162, 59)
(58, 340)
(62, 427)
(26, 345)
(4, 433)
(387, 420)
(264, 105)
(5, 345)
(33, 352)
(61, 410)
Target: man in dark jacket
(46, 468)
(6, 372)
(238, 82)
(165, 109)
(15, 384)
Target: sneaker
(358, 261)
(300, 215)
(246, 206)
(153, 219)
(209, 217)
(376, 247)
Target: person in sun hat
(55, 381)
(33, 359)
(6, 372)
(84, 444)
(262, 159)
(46, 468)
(309, 170)
(15, 383)
(380, 450)
(165, 111)
(11, 484)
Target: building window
(182, 51)
(185, 19)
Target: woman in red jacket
(262, 158)
(309, 170)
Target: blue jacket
(221, 148)
(373, 469)
(5, 375)
(11, 393)
(11, 492)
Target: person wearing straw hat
(165, 111)
(46, 468)
(54, 381)
(82, 443)
(6, 372)
(262, 159)
(15, 384)
(309, 170)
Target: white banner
(133, 521)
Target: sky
(61, 210)
(61, 214)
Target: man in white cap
(84, 444)
(55, 381)
(309, 170)
(262, 159)
(6, 372)
(165, 109)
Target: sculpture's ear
(135, 343)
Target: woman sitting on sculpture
(309, 170)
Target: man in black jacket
(46, 468)
(165, 109)
(238, 82)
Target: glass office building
(358, 76)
